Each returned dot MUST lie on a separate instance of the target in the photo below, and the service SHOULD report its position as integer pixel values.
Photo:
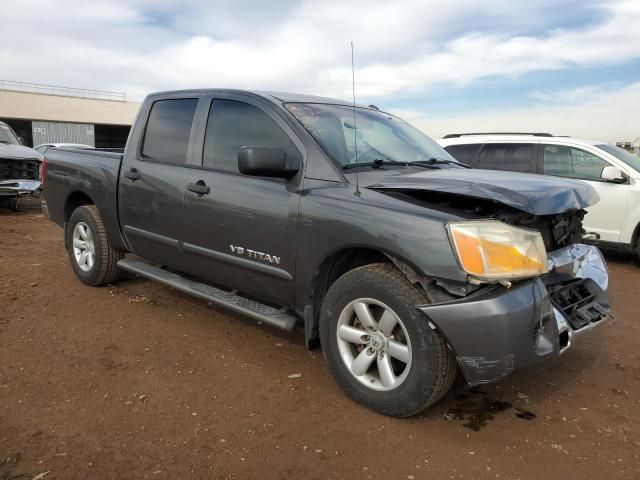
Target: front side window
(232, 125)
(515, 157)
(349, 134)
(166, 137)
(565, 161)
(621, 154)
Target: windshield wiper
(6, 141)
(434, 160)
(375, 163)
(386, 161)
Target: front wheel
(92, 258)
(380, 348)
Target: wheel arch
(79, 198)
(332, 267)
(635, 237)
(74, 200)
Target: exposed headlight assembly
(492, 250)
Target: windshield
(377, 135)
(621, 154)
(7, 136)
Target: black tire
(105, 266)
(433, 367)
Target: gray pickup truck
(404, 265)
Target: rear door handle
(199, 188)
(132, 174)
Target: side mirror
(267, 162)
(613, 174)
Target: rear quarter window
(166, 135)
(463, 153)
(516, 157)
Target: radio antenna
(355, 126)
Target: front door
(605, 217)
(242, 230)
(152, 181)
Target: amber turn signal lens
(493, 250)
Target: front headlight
(493, 250)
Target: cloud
(595, 112)
(402, 48)
(405, 49)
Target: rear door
(241, 230)
(511, 156)
(152, 180)
(605, 217)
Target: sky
(563, 66)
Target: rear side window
(506, 156)
(463, 153)
(565, 161)
(232, 125)
(166, 137)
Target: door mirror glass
(267, 162)
(613, 174)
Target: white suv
(612, 171)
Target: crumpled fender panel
(535, 194)
(492, 332)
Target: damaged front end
(524, 303)
(495, 330)
(496, 325)
(19, 178)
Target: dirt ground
(138, 381)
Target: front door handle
(199, 188)
(132, 174)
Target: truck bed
(74, 175)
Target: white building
(46, 113)
(632, 146)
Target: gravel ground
(138, 381)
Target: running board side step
(264, 313)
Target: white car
(612, 171)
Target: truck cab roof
(276, 97)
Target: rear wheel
(92, 258)
(379, 347)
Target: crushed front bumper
(11, 191)
(497, 330)
(18, 188)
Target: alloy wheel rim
(83, 247)
(374, 344)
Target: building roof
(58, 108)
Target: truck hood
(534, 194)
(18, 152)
